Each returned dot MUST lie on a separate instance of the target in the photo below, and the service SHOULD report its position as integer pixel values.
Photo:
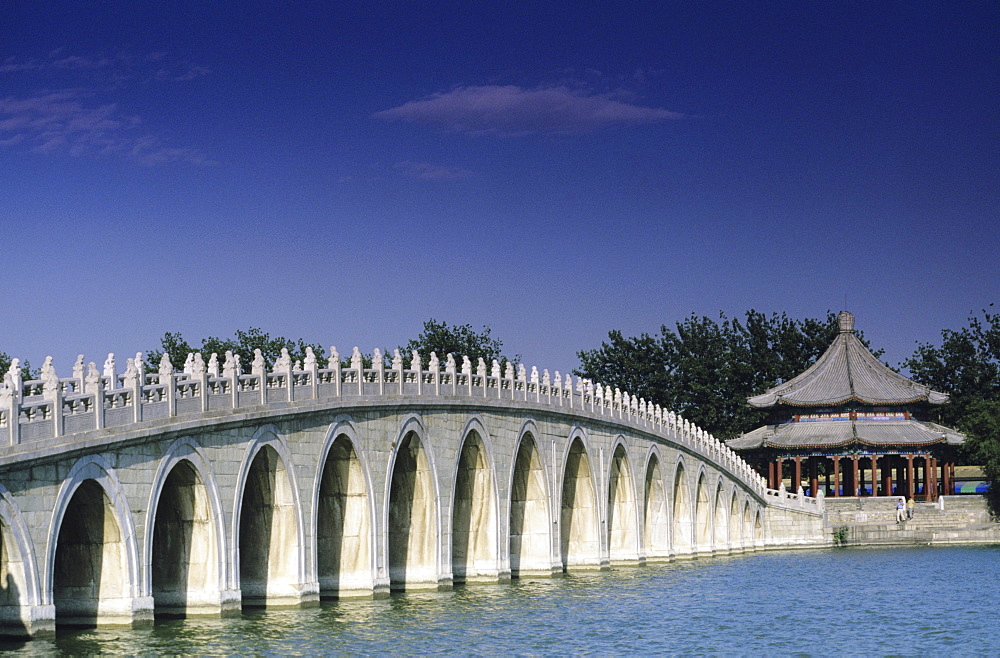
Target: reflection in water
(819, 602)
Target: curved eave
(856, 441)
(839, 401)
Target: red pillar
(813, 477)
(911, 491)
(836, 476)
(887, 476)
(854, 475)
(770, 475)
(927, 479)
(797, 471)
(874, 474)
(780, 473)
(934, 477)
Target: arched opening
(656, 526)
(90, 582)
(530, 543)
(269, 544)
(703, 516)
(747, 526)
(736, 524)
(682, 514)
(413, 533)
(474, 527)
(580, 538)
(758, 530)
(622, 533)
(13, 588)
(343, 525)
(721, 520)
(185, 565)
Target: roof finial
(846, 322)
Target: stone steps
(872, 522)
(886, 535)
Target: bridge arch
(735, 523)
(474, 531)
(622, 510)
(580, 536)
(721, 534)
(530, 528)
(185, 567)
(656, 510)
(703, 513)
(267, 523)
(413, 514)
(91, 573)
(19, 591)
(344, 515)
(682, 535)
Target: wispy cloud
(72, 121)
(510, 110)
(431, 172)
(73, 116)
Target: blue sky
(343, 173)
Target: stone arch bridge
(128, 496)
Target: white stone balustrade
(53, 407)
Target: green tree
(460, 340)
(243, 343)
(26, 371)
(981, 424)
(705, 368)
(966, 365)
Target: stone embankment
(872, 522)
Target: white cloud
(74, 120)
(431, 172)
(511, 110)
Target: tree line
(702, 367)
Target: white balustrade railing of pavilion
(53, 407)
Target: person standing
(900, 511)
(910, 504)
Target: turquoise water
(855, 601)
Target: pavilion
(864, 425)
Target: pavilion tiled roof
(847, 372)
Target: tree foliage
(243, 343)
(705, 368)
(461, 340)
(981, 424)
(966, 365)
(26, 371)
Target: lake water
(854, 601)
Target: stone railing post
(312, 368)
(99, 407)
(289, 382)
(338, 377)
(203, 389)
(54, 395)
(170, 387)
(137, 399)
(379, 367)
(12, 407)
